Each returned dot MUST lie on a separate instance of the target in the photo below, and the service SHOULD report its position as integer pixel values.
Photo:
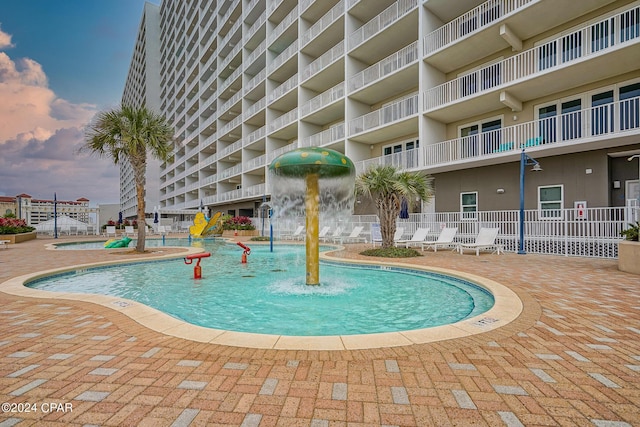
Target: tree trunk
(388, 209)
(139, 172)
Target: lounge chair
(445, 240)
(397, 236)
(128, 230)
(336, 233)
(110, 230)
(162, 229)
(295, 235)
(416, 240)
(323, 232)
(486, 239)
(354, 237)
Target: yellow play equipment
(203, 226)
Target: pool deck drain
(571, 357)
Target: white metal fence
(588, 232)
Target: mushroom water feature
(315, 182)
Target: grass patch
(391, 252)
(260, 239)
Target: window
(469, 205)
(402, 154)
(489, 141)
(602, 113)
(550, 201)
(630, 107)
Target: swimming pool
(268, 295)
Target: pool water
(268, 294)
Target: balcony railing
(603, 121)
(405, 56)
(284, 56)
(387, 17)
(275, 153)
(255, 135)
(282, 26)
(323, 61)
(327, 136)
(256, 162)
(325, 98)
(285, 87)
(283, 120)
(323, 23)
(470, 22)
(408, 159)
(596, 39)
(235, 170)
(254, 190)
(388, 114)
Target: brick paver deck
(571, 359)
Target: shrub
(260, 238)
(391, 252)
(14, 226)
(632, 233)
(238, 223)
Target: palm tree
(128, 133)
(388, 187)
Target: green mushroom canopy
(324, 162)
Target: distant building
(35, 211)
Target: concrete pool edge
(507, 308)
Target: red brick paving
(571, 359)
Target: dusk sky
(60, 63)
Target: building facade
(35, 211)
(454, 89)
(142, 88)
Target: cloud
(40, 135)
(5, 40)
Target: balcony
(323, 61)
(480, 32)
(326, 137)
(319, 103)
(607, 125)
(391, 120)
(323, 23)
(392, 75)
(575, 59)
(403, 160)
(388, 17)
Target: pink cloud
(40, 135)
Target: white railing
(283, 120)
(254, 190)
(325, 98)
(255, 27)
(472, 21)
(256, 162)
(259, 50)
(255, 107)
(230, 195)
(255, 80)
(327, 136)
(405, 56)
(396, 111)
(230, 149)
(284, 56)
(232, 78)
(323, 61)
(603, 121)
(283, 25)
(323, 23)
(235, 170)
(255, 135)
(590, 232)
(409, 159)
(285, 87)
(231, 125)
(387, 17)
(595, 39)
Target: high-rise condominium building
(453, 88)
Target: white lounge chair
(128, 230)
(323, 232)
(486, 239)
(336, 233)
(418, 237)
(397, 235)
(110, 230)
(445, 240)
(295, 235)
(162, 229)
(354, 237)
